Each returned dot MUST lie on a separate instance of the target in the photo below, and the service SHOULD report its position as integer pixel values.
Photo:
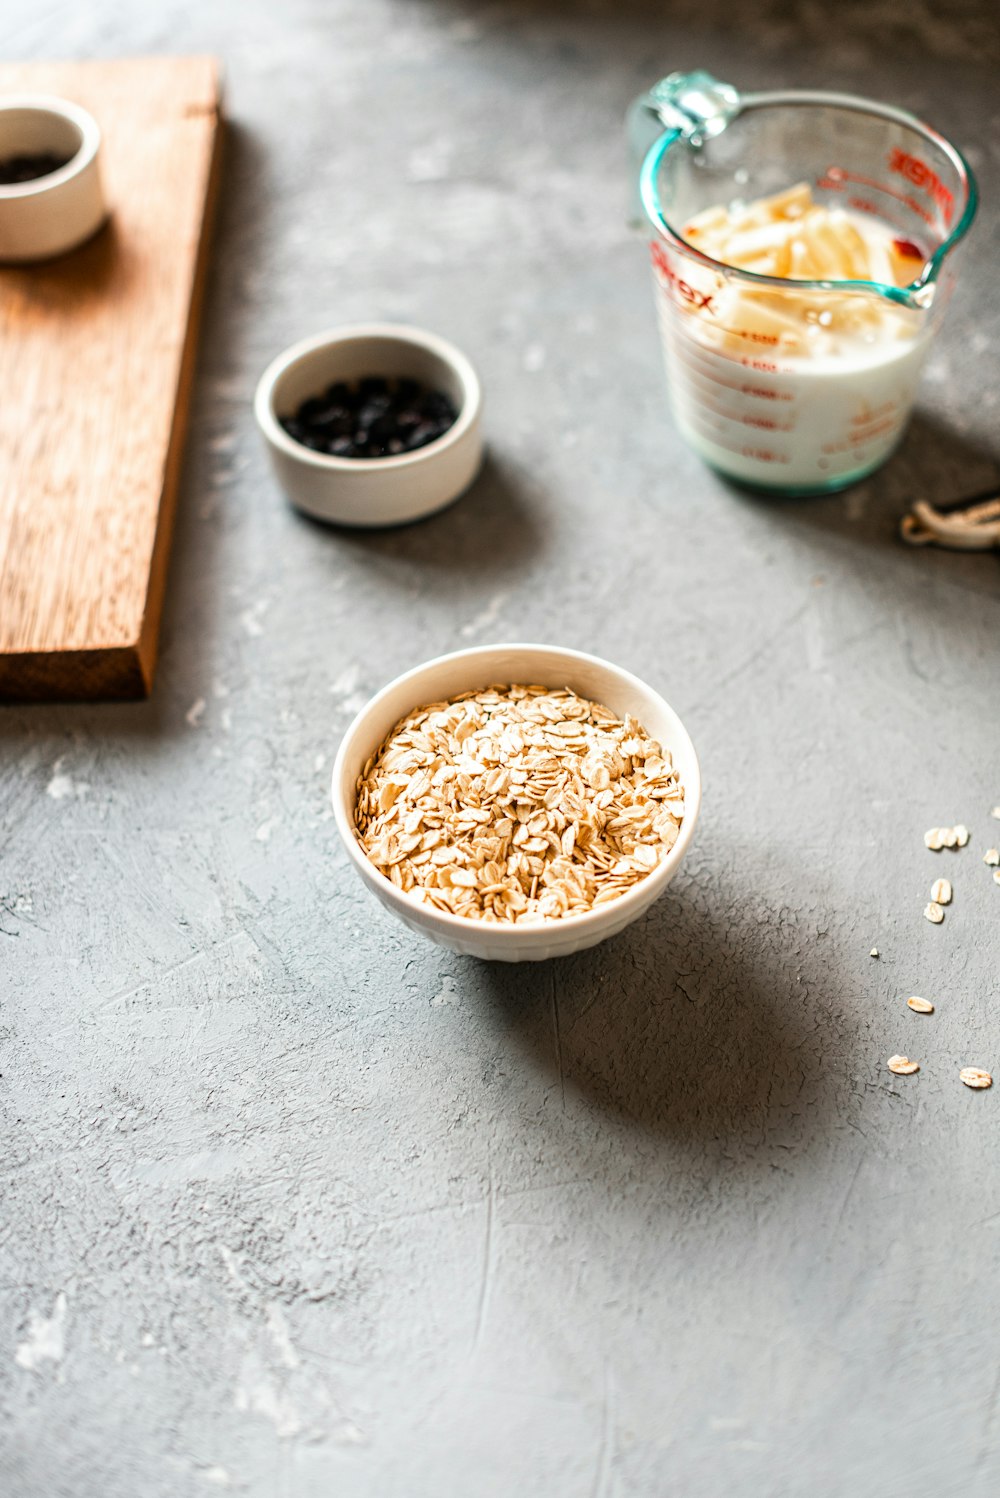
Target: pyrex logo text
(696, 299)
(920, 174)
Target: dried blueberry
(421, 435)
(373, 385)
(372, 418)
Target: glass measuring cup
(800, 386)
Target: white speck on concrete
(251, 617)
(263, 833)
(223, 443)
(430, 163)
(256, 1394)
(46, 1339)
(534, 358)
(226, 719)
(319, 762)
(219, 689)
(344, 689)
(349, 1434)
(232, 1268)
(447, 993)
(232, 389)
(195, 713)
(347, 681)
(486, 617)
(278, 1327)
(217, 1476)
(147, 1339)
(62, 786)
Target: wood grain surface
(96, 360)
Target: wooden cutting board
(96, 362)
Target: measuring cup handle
(690, 105)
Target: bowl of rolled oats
(517, 802)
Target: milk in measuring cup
(786, 386)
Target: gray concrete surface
(295, 1205)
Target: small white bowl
(469, 670)
(57, 212)
(372, 491)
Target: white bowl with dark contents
(439, 681)
(371, 425)
(50, 186)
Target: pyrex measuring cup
(800, 386)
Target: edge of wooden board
(149, 635)
(126, 672)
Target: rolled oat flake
(902, 1065)
(934, 913)
(974, 1076)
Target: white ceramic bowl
(467, 670)
(371, 491)
(57, 212)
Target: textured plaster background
(295, 1205)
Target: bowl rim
(90, 140)
(634, 900)
(267, 417)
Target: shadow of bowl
(694, 1023)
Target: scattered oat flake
(961, 834)
(902, 1065)
(996, 813)
(934, 913)
(941, 892)
(873, 952)
(974, 1076)
(919, 1006)
(992, 857)
(996, 875)
(933, 839)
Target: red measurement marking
(699, 300)
(766, 424)
(765, 455)
(854, 440)
(921, 176)
(836, 178)
(762, 364)
(762, 393)
(874, 414)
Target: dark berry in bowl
(375, 417)
(28, 168)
